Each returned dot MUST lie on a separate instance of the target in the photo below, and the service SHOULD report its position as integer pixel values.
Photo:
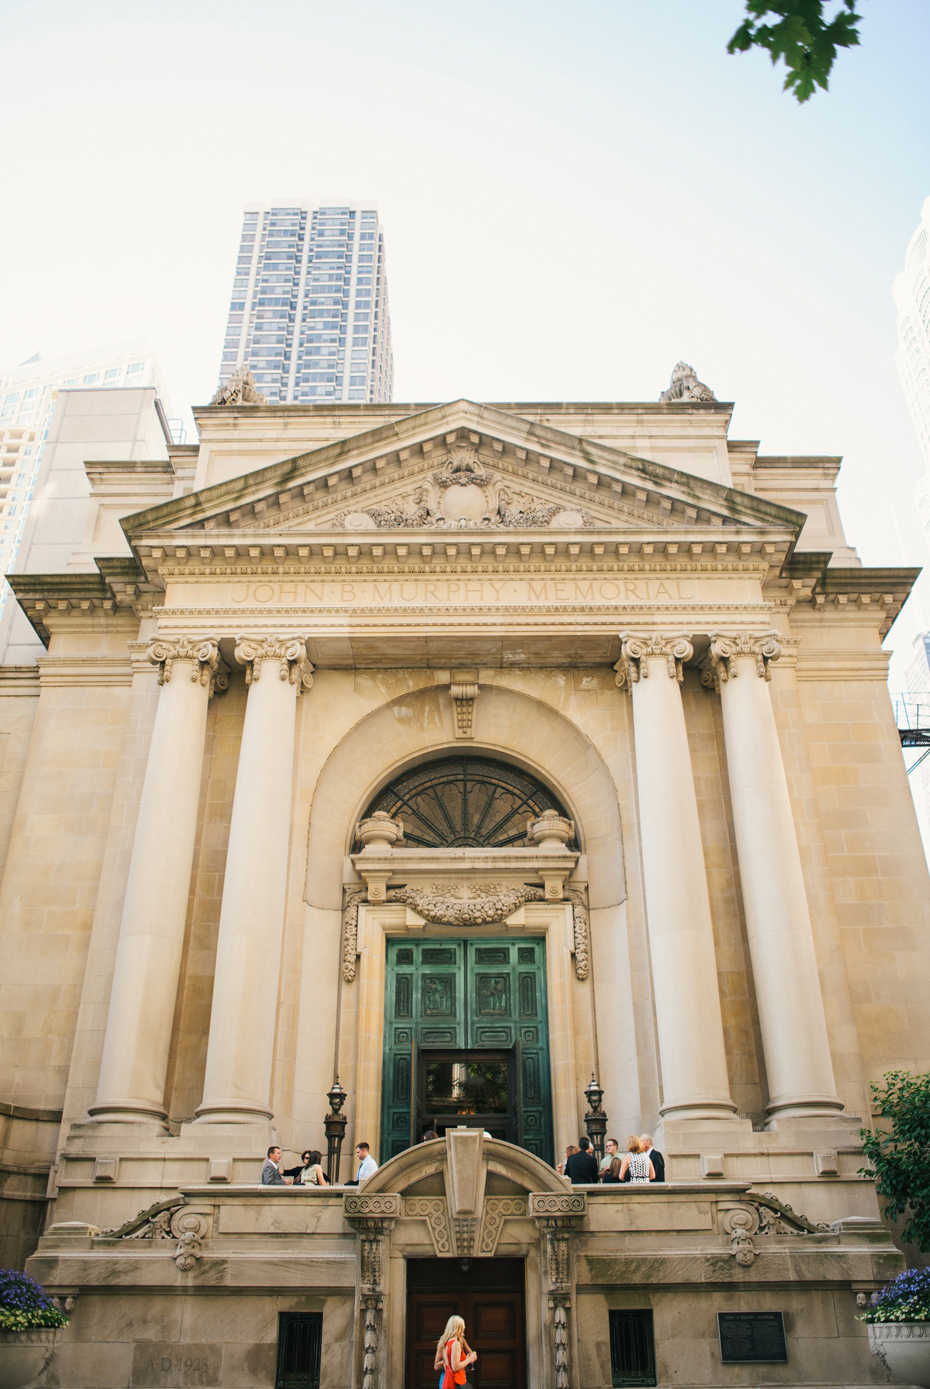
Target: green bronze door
(466, 1041)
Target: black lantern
(334, 1126)
(595, 1121)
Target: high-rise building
(912, 298)
(309, 309)
(28, 396)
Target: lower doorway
(489, 1294)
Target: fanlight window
(465, 802)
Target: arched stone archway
(462, 1198)
(412, 727)
(418, 725)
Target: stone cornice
(19, 681)
(84, 670)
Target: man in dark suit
(581, 1167)
(655, 1157)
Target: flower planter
(903, 1347)
(25, 1354)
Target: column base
(804, 1107)
(232, 1113)
(718, 1110)
(128, 1112)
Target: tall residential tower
(309, 309)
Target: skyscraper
(912, 297)
(309, 309)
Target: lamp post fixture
(595, 1121)
(334, 1126)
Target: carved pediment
(467, 493)
(461, 467)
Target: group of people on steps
(640, 1163)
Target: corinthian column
(681, 937)
(148, 956)
(237, 1086)
(778, 923)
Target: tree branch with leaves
(801, 36)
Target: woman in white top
(312, 1174)
(636, 1165)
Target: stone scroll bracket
(464, 692)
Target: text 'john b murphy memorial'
(459, 752)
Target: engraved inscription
(423, 592)
(175, 1366)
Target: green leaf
(801, 37)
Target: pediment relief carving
(465, 495)
(443, 485)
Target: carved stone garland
(446, 910)
(202, 654)
(372, 1218)
(556, 1216)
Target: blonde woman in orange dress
(453, 1354)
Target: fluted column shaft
(778, 922)
(681, 938)
(240, 1051)
(134, 1065)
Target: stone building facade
(462, 752)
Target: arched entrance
(466, 1035)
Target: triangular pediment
(460, 467)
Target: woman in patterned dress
(636, 1166)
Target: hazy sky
(574, 196)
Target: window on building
(136, 366)
(300, 1343)
(92, 378)
(632, 1347)
(465, 801)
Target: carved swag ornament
(491, 903)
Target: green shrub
(900, 1155)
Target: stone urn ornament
(550, 832)
(30, 1328)
(898, 1319)
(379, 832)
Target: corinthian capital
(725, 650)
(635, 652)
(200, 653)
(290, 652)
